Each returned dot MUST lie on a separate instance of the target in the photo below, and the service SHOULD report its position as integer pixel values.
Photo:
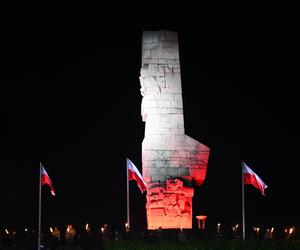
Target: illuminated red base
(170, 207)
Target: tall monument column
(172, 161)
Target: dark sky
(71, 99)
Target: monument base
(170, 207)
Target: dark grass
(206, 245)
(163, 240)
(188, 245)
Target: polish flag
(45, 179)
(253, 179)
(134, 174)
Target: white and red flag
(253, 179)
(134, 174)
(45, 180)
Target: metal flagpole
(40, 198)
(128, 214)
(243, 202)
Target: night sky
(70, 97)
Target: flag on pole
(253, 179)
(134, 174)
(45, 179)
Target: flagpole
(128, 214)
(40, 198)
(243, 203)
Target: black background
(71, 99)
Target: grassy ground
(187, 245)
(166, 243)
(206, 245)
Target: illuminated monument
(171, 159)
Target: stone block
(163, 142)
(168, 154)
(172, 172)
(183, 171)
(166, 35)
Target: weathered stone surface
(171, 159)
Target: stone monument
(172, 161)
